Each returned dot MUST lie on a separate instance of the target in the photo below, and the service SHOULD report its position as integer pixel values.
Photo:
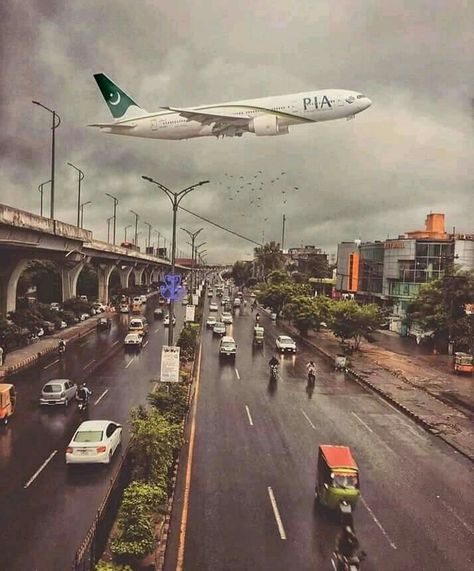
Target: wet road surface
(254, 462)
(42, 524)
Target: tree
(349, 320)
(241, 272)
(441, 307)
(277, 277)
(269, 257)
(276, 296)
(307, 312)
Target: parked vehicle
(94, 442)
(7, 401)
(58, 391)
(228, 347)
(104, 323)
(463, 363)
(285, 344)
(337, 477)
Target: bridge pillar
(138, 272)
(148, 276)
(10, 272)
(124, 272)
(103, 274)
(69, 276)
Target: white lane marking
(89, 332)
(390, 405)
(116, 343)
(40, 469)
(452, 511)
(379, 525)
(145, 344)
(51, 364)
(248, 414)
(237, 374)
(89, 363)
(130, 362)
(101, 396)
(308, 419)
(362, 422)
(157, 329)
(276, 513)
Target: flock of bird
(256, 191)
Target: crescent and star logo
(117, 101)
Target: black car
(104, 323)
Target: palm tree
(269, 257)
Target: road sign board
(169, 364)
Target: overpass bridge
(25, 237)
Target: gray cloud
(380, 174)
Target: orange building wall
(354, 260)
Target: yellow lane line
(187, 485)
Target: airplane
(266, 116)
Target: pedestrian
(1, 356)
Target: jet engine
(267, 125)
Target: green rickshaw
(258, 335)
(337, 478)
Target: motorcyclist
(61, 346)
(347, 546)
(83, 393)
(257, 319)
(273, 364)
(311, 369)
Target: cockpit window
(360, 96)
(350, 99)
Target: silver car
(58, 391)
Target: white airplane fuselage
(267, 116)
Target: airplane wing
(223, 119)
(112, 126)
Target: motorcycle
(61, 349)
(341, 563)
(83, 404)
(274, 372)
(311, 377)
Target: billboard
(169, 364)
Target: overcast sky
(378, 175)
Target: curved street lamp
(80, 178)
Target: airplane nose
(368, 102)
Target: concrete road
(253, 472)
(45, 508)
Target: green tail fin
(117, 100)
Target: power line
(219, 226)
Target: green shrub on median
(171, 401)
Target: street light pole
(40, 189)
(80, 177)
(126, 228)
(82, 211)
(149, 233)
(56, 123)
(115, 211)
(193, 236)
(136, 225)
(175, 199)
(108, 228)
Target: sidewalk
(26, 356)
(422, 386)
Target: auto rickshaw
(463, 363)
(258, 334)
(7, 401)
(337, 478)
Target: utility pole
(283, 233)
(149, 233)
(82, 212)
(115, 211)
(108, 228)
(136, 226)
(80, 177)
(175, 199)
(193, 236)
(40, 189)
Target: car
(213, 307)
(166, 321)
(284, 344)
(62, 325)
(99, 307)
(219, 328)
(225, 300)
(133, 341)
(83, 298)
(184, 301)
(94, 442)
(124, 308)
(211, 321)
(58, 391)
(158, 313)
(226, 317)
(209, 294)
(84, 316)
(143, 298)
(104, 323)
(54, 306)
(237, 302)
(138, 325)
(227, 347)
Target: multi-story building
(392, 272)
(309, 260)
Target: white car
(99, 307)
(211, 321)
(124, 308)
(54, 306)
(226, 317)
(213, 307)
(133, 341)
(184, 301)
(285, 344)
(62, 325)
(84, 316)
(237, 302)
(227, 347)
(94, 442)
(219, 328)
(137, 299)
(143, 298)
(166, 321)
